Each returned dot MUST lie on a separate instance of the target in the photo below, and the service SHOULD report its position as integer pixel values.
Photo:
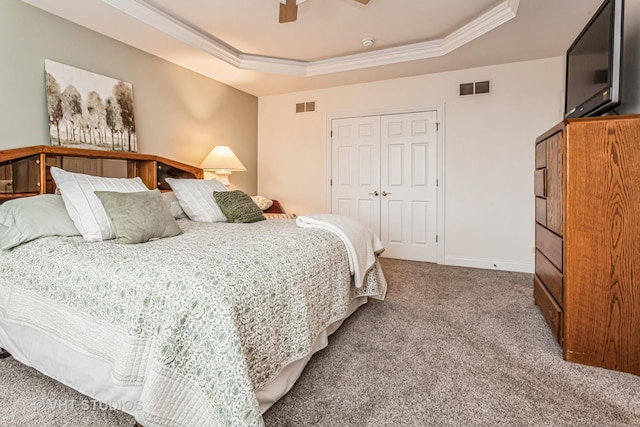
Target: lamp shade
(222, 158)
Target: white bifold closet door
(383, 173)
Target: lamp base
(222, 175)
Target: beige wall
(488, 140)
(489, 151)
(179, 114)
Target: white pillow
(196, 198)
(85, 209)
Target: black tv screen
(593, 62)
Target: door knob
(384, 193)
(375, 193)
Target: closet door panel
(355, 171)
(408, 179)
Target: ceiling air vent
(306, 107)
(477, 88)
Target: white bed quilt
(198, 321)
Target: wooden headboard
(25, 171)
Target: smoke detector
(367, 41)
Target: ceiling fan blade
(289, 11)
(363, 1)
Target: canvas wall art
(88, 110)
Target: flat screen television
(594, 64)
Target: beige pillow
(173, 204)
(138, 217)
(262, 202)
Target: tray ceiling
(242, 44)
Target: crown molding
(172, 26)
(270, 64)
(195, 37)
(297, 2)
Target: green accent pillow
(237, 206)
(139, 216)
(29, 218)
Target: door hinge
(331, 133)
(436, 238)
(437, 182)
(331, 182)
(437, 126)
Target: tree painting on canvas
(88, 110)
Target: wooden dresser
(587, 258)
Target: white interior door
(355, 169)
(408, 190)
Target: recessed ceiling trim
(492, 19)
(171, 25)
(375, 58)
(486, 22)
(272, 65)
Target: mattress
(206, 328)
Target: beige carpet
(449, 347)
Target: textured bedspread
(199, 320)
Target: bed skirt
(93, 376)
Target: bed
(208, 327)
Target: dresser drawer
(550, 245)
(541, 211)
(541, 154)
(550, 276)
(551, 312)
(540, 183)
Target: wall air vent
(306, 107)
(483, 87)
(466, 89)
(477, 88)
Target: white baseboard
(490, 264)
